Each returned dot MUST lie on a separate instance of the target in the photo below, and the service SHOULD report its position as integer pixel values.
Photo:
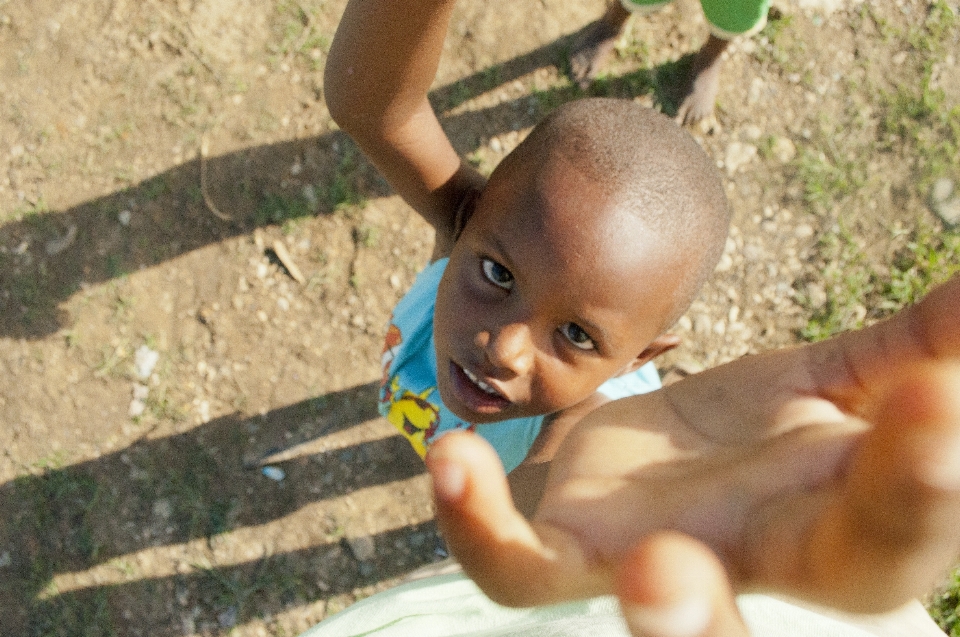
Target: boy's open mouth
(476, 394)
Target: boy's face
(550, 291)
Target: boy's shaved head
(651, 168)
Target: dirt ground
(157, 354)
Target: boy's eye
(497, 274)
(577, 337)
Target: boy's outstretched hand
(830, 472)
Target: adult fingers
(671, 585)
(847, 367)
(895, 526)
(513, 562)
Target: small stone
(752, 132)
(162, 509)
(803, 231)
(203, 411)
(137, 407)
(145, 359)
(140, 392)
(738, 154)
(725, 264)
(945, 201)
(395, 281)
(124, 218)
(228, 618)
(702, 325)
(274, 473)
(684, 323)
(816, 294)
(783, 149)
(310, 196)
(495, 145)
(5, 559)
(362, 547)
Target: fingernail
(687, 618)
(449, 480)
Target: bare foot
(593, 48)
(704, 83)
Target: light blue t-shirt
(410, 400)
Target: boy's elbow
(341, 104)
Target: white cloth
(453, 606)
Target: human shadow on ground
(201, 485)
(48, 256)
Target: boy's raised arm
(382, 62)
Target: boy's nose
(508, 348)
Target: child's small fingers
(897, 523)
(671, 585)
(513, 563)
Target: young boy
(531, 317)
(727, 20)
(558, 276)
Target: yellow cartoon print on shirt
(413, 415)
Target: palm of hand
(763, 461)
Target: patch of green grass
(367, 235)
(122, 306)
(944, 606)
(279, 209)
(937, 28)
(773, 45)
(84, 614)
(852, 283)
(343, 192)
(110, 361)
(298, 35)
(195, 507)
(930, 257)
(154, 188)
(33, 214)
(162, 407)
(59, 501)
(917, 119)
(630, 85)
(827, 175)
(27, 290)
(549, 100)
(920, 119)
(115, 269)
(846, 276)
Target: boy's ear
(661, 344)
